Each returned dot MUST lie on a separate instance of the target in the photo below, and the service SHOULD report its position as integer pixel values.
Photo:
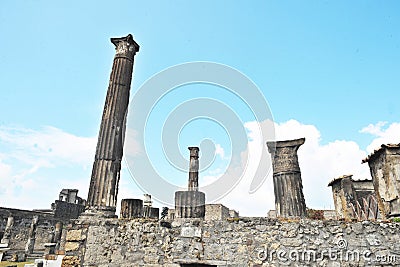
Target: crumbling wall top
(380, 151)
(338, 179)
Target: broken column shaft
(57, 234)
(131, 208)
(193, 184)
(191, 203)
(288, 188)
(103, 190)
(7, 231)
(30, 245)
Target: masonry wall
(216, 212)
(21, 225)
(232, 242)
(385, 171)
(67, 210)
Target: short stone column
(288, 187)
(50, 246)
(63, 241)
(148, 210)
(191, 203)
(58, 234)
(7, 231)
(30, 245)
(131, 208)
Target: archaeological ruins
(362, 230)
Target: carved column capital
(194, 151)
(125, 46)
(284, 155)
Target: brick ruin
(198, 234)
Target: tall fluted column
(288, 187)
(102, 197)
(193, 184)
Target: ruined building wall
(67, 210)
(21, 224)
(364, 188)
(384, 165)
(354, 198)
(216, 212)
(344, 196)
(232, 242)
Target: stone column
(147, 200)
(63, 241)
(131, 208)
(49, 247)
(103, 190)
(30, 245)
(193, 184)
(58, 234)
(288, 188)
(148, 210)
(7, 231)
(191, 203)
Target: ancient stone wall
(67, 210)
(384, 165)
(232, 242)
(21, 225)
(216, 212)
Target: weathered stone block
(75, 235)
(71, 246)
(70, 261)
(191, 232)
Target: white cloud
(48, 145)
(29, 155)
(37, 164)
(219, 150)
(132, 147)
(389, 135)
(319, 164)
(374, 129)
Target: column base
(189, 204)
(105, 212)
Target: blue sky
(332, 65)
